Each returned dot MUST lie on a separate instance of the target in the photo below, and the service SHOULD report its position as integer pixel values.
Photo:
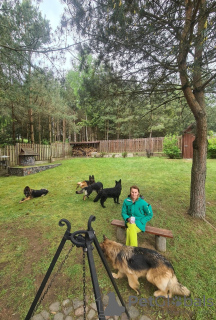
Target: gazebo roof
(27, 152)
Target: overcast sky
(52, 10)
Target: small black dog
(31, 193)
(97, 186)
(109, 193)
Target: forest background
(139, 69)
(42, 103)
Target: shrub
(148, 153)
(211, 152)
(102, 154)
(170, 147)
(124, 154)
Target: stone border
(25, 171)
(110, 155)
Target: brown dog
(85, 183)
(136, 262)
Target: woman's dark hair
(134, 187)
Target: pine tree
(168, 46)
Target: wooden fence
(45, 152)
(153, 145)
(63, 150)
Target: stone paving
(73, 309)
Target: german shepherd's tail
(177, 288)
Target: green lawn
(30, 234)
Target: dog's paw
(137, 291)
(115, 275)
(159, 293)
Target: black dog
(31, 193)
(109, 193)
(97, 186)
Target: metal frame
(84, 239)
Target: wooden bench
(160, 234)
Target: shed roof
(190, 128)
(27, 152)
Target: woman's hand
(131, 220)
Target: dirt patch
(26, 249)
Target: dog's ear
(104, 237)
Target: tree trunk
(198, 172)
(13, 126)
(64, 130)
(50, 131)
(194, 94)
(39, 128)
(30, 112)
(198, 176)
(86, 129)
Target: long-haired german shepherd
(135, 262)
(31, 193)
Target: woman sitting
(136, 212)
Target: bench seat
(160, 234)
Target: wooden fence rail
(45, 152)
(62, 150)
(153, 145)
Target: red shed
(187, 142)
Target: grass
(30, 234)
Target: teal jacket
(140, 209)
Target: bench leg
(121, 234)
(160, 243)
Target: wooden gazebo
(27, 157)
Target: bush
(211, 152)
(170, 147)
(102, 154)
(124, 154)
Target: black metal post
(98, 298)
(100, 252)
(110, 275)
